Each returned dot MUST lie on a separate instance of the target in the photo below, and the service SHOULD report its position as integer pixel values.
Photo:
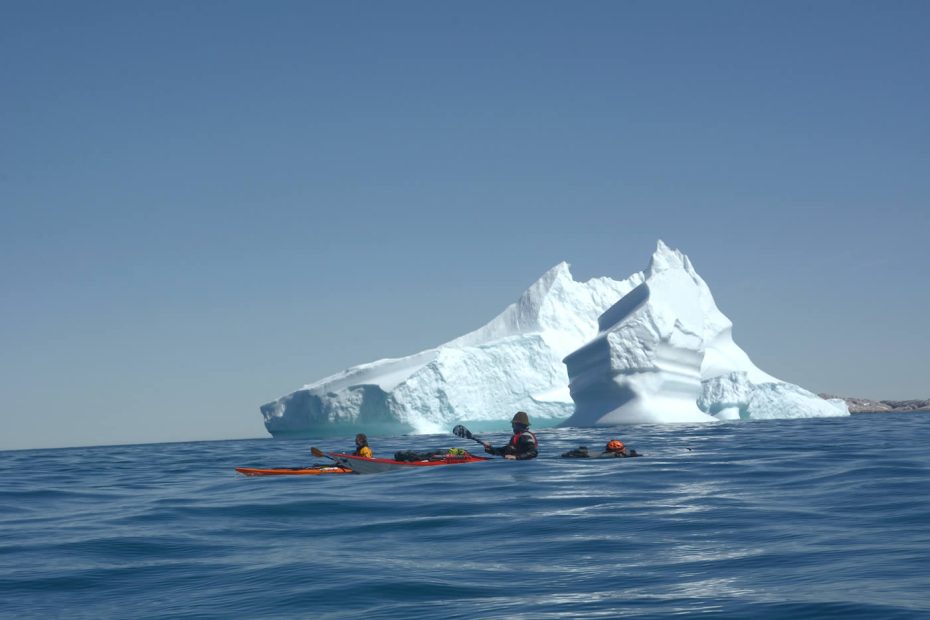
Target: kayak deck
(314, 470)
(365, 465)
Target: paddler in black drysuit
(522, 445)
(613, 450)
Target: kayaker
(361, 446)
(614, 449)
(522, 446)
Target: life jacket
(516, 439)
(358, 451)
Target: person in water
(523, 444)
(361, 446)
(617, 449)
(614, 449)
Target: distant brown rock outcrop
(863, 405)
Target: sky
(206, 205)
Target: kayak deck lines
(368, 465)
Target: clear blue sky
(205, 205)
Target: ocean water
(814, 518)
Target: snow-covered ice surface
(650, 348)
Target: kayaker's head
(614, 445)
(361, 440)
(520, 421)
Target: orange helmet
(614, 445)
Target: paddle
(461, 431)
(320, 454)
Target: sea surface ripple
(811, 518)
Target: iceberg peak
(666, 258)
(562, 271)
(555, 303)
(531, 302)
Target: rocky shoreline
(867, 405)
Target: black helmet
(520, 417)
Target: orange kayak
(314, 470)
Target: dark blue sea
(816, 518)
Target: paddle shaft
(320, 454)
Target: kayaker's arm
(525, 450)
(492, 450)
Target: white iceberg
(662, 353)
(665, 353)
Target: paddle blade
(317, 453)
(461, 431)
